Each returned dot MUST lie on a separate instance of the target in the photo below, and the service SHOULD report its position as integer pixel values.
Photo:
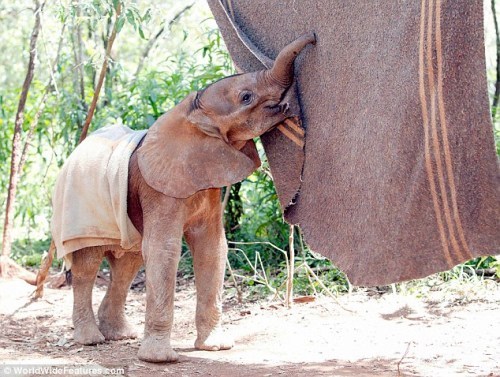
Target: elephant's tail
(44, 270)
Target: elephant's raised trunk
(282, 69)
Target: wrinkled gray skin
(175, 176)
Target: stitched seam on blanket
(295, 127)
(290, 135)
(85, 233)
(425, 118)
(435, 136)
(444, 130)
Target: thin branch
(153, 40)
(233, 278)
(108, 82)
(402, 358)
(41, 106)
(31, 68)
(321, 284)
(44, 44)
(259, 243)
(102, 75)
(264, 275)
(78, 56)
(257, 277)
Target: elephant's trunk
(282, 69)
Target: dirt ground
(452, 331)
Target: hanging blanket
(399, 177)
(90, 196)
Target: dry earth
(452, 331)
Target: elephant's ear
(179, 159)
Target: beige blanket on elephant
(90, 196)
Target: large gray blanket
(400, 177)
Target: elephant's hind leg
(112, 321)
(84, 269)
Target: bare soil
(453, 330)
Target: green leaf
(147, 16)
(119, 23)
(141, 32)
(131, 18)
(154, 107)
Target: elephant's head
(206, 140)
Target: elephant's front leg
(208, 245)
(161, 253)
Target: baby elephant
(131, 196)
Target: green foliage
(484, 263)
(196, 59)
(260, 217)
(139, 102)
(27, 252)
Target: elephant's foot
(217, 340)
(156, 349)
(87, 334)
(116, 330)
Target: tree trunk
(16, 140)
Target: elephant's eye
(246, 97)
